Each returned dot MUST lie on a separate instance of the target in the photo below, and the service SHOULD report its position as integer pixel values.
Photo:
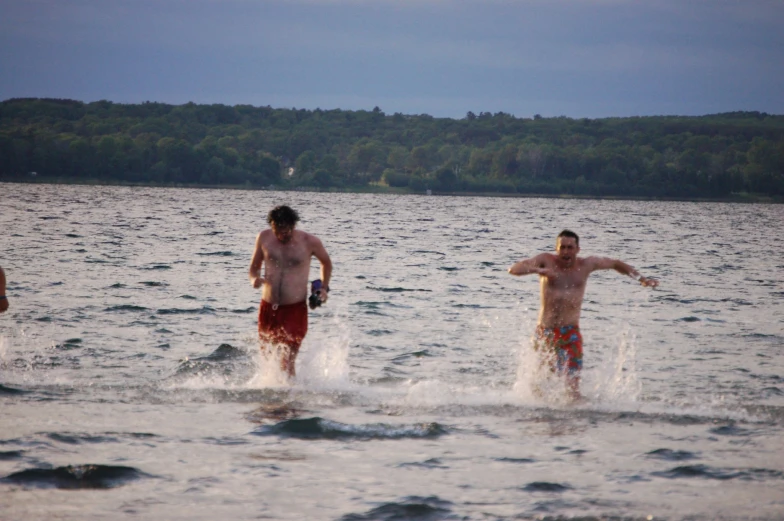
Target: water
(133, 387)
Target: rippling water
(132, 385)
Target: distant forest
(716, 156)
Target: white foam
(614, 375)
(323, 360)
(5, 344)
(610, 382)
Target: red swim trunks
(283, 324)
(566, 343)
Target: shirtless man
(3, 298)
(563, 278)
(286, 253)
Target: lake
(133, 386)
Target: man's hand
(545, 272)
(648, 283)
(322, 294)
(257, 282)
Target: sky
(574, 58)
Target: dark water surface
(132, 387)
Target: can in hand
(314, 300)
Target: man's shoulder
(585, 262)
(308, 237)
(266, 237)
(593, 262)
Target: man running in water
(286, 254)
(563, 277)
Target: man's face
(283, 232)
(567, 249)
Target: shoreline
(380, 189)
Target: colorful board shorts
(283, 324)
(566, 343)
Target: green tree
(330, 164)
(306, 163)
(323, 178)
(446, 179)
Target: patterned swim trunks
(566, 343)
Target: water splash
(267, 372)
(226, 367)
(323, 361)
(613, 378)
(616, 377)
(4, 345)
(535, 382)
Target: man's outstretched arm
(527, 267)
(601, 263)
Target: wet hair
(570, 233)
(283, 215)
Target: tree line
(713, 156)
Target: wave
(125, 307)
(77, 439)
(429, 508)
(76, 476)
(432, 463)
(226, 365)
(320, 428)
(397, 289)
(222, 353)
(545, 486)
(515, 460)
(214, 363)
(217, 254)
(717, 473)
(4, 389)
(7, 455)
(204, 310)
(671, 455)
(415, 354)
(730, 430)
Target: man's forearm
(522, 268)
(326, 273)
(254, 273)
(624, 269)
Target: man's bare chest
(568, 280)
(286, 257)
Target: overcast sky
(577, 58)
